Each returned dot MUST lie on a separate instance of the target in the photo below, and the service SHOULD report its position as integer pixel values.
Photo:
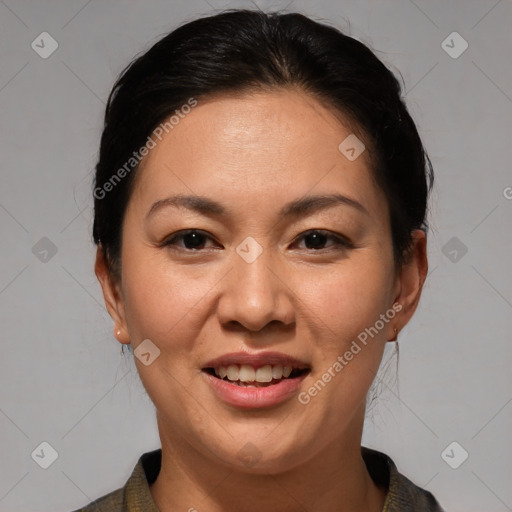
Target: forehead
(275, 145)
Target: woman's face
(291, 262)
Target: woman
(260, 205)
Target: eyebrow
(297, 208)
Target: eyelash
(340, 242)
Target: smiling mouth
(250, 377)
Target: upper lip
(257, 360)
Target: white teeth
(246, 373)
(264, 374)
(277, 371)
(233, 372)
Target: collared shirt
(135, 496)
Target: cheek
(351, 297)
(348, 333)
(345, 306)
(163, 302)
(168, 308)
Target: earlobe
(112, 296)
(394, 335)
(121, 335)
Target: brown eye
(192, 239)
(317, 239)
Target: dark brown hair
(242, 50)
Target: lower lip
(254, 398)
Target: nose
(255, 294)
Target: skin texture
(254, 153)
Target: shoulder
(402, 494)
(112, 502)
(407, 494)
(136, 494)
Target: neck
(334, 480)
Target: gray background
(63, 379)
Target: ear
(410, 279)
(112, 295)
